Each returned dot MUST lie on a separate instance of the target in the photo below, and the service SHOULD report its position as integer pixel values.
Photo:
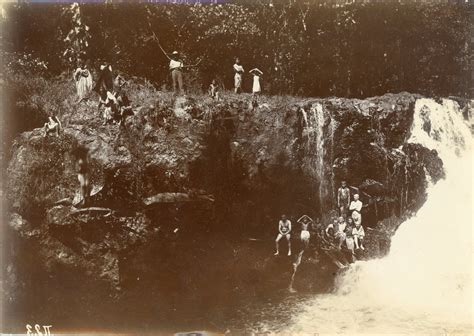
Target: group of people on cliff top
(112, 96)
(346, 230)
(116, 103)
(176, 67)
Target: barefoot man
(343, 199)
(284, 229)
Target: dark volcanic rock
(257, 162)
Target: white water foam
(425, 284)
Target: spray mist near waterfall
(425, 283)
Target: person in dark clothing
(105, 83)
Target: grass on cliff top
(58, 96)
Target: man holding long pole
(176, 66)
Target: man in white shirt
(176, 67)
(239, 70)
(355, 207)
(284, 229)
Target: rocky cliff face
(187, 183)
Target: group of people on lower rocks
(345, 230)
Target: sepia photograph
(236, 167)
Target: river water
(425, 284)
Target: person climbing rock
(359, 234)
(176, 68)
(355, 207)
(284, 230)
(83, 80)
(343, 199)
(81, 154)
(52, 126)
(239, 70)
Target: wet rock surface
(232, 169)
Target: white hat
(174, 52)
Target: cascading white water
(425, 284)
(318, 119)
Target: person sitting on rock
(81, 154)
(355, 207)
(340, 234)
(349, 235)
(343, 199)
(359, 234)
(52, 126)
(284, 230)
(330, 229)
(214, 90)
(111, 110)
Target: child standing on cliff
(214, 90)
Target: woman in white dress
(83, 80)
(256, 88)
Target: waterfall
(425, 283)
(323, 141)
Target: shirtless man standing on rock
(284, 229)
(343, 199)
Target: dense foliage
(303, 48)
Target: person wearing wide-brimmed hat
(176, 67)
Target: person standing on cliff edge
(284, 229)
(239, 70)
(176, 68)
(343, 199)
